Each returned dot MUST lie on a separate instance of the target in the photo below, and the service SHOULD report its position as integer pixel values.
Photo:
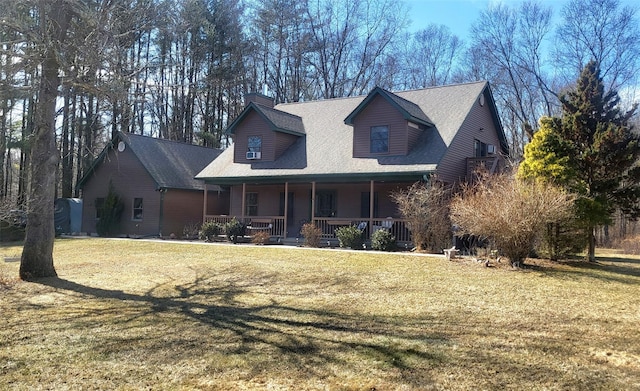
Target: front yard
(128, 314)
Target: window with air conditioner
(254, 148)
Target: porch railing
(328, 225)
(277, 222)
(397, 227)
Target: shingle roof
(171, 164)
(326, 151)
(278, 120)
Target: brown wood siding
(254, 125)
(181, 208)
(379, 112)
(130, 180)
(283, 141)
(413, 133)
(217, 203)
(453, 166)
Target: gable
(169, 164)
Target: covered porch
(282, 209)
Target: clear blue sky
(458, 15)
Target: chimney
(259, 99)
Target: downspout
(204, 207)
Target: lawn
(130, 315)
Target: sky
(458, 15)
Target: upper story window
(254, 147)
(379, 139)
(480, 148)
(254, 144)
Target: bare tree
(37, 255)
(603, 31)
(349, 41)
(507, 49)
(434, 51)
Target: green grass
(131, 315)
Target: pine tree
(603, 152)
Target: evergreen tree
(595, 143)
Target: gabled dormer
(262, 133)
(385, 124)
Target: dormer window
(379, 139)
(254, 147)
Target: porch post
(204, 207)
(286, 208)
(371, 206)
(313, 201)
(244, 192)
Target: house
(155, 180)
(336, 162)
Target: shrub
(631, 245)
(260, 237)
(350, 236)
(383, 240)
(210, 230)
(110, 213)
(311, 234)
(190, 231)
(234, 229)
(425, 206)
(511, 213)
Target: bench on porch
(260, 225)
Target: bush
(210, 230)
(260, 237)
(110, 213)
(511, 213)
(234, 229)
(190, 231)
(350, 236)
(311, 234)
(631, 245)
(425, 206)
(382, 240)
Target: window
(480, 148)
(99, 207)
(365, 204)
(326, 203)
(137, 209)
(251, 204)
(379, 139)
(254, 144)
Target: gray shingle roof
(326, 151)
(171, 164)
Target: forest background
(180, 69)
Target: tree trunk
(591, 253)
(37, 254)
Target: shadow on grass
(622, 270)
(315, 338)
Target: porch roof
(325, 151)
